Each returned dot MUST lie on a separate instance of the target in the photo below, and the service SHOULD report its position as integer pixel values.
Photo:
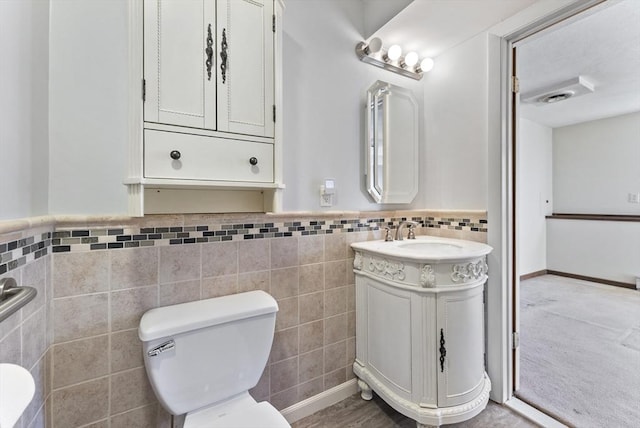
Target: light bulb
(394, 52)
(375, 45)
(411, 59)
(426, 65)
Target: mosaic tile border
(14, 254)
(17, 253)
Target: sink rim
(402, 249)
(14, 399)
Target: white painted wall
(456, 121)
(88, 106)
(534, 188)
(596, 165)
(599, 249)
(24, 44)
(324, 97)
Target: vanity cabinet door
(245, 55)
(460, 346)
(179, 70)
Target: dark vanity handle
(223, 55)
(175, 155)
(253, 161)
(443, 350)
(209, 52)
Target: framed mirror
(391, 144)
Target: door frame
(503, 284)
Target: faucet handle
(387, 234)
(412, 232)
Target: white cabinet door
(179, 88)
(459, 346)
(245, 67)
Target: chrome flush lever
(166, 346)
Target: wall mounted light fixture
(391, 59)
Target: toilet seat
(258, 415)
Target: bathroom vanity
(420, 326)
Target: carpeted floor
(580, 351)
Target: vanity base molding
(424, 416)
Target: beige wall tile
(80, 360)
(284, 399)
(351, 276)
(335, 301)
(130, 389)
(126, 350)
(284, 375)
(219, 286)
(40, 394)
(8, 325)
(80, 316)
(311, 249)
(335, 378)
(254, 281)
(335, 356)
(351, 297)
(80, 404)
(288, 315)
(311, 278)
(34, 342)
(284, 252)
(80, 273)
(311, 365)
(34, 275)
(351, 324)
(135, 267)
(220, 258)
(335, 247)
(141, 417)
(285, 344)
(311, 336)
(351, 351)
(284, 282)
(254, 255)
(179, 263)
(311, 307)
(127, 306)
(310, 388)
(350, 238)
(11, 348)
(335, 329)
(335, 274)
(179, 292)
(262, 390)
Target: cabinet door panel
(178, 88)
(205, 158)
(460, 320)
(245, 87)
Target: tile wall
(106, 274)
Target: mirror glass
(391, 165)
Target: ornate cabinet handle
(223, 55)
(443, 350)
(209, 52)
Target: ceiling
(602, 45)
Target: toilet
(202, 358)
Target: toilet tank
(203, 352)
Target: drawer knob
(253, 160)
(175, 154)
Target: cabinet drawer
(205, 158)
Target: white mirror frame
(391, 144)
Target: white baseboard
(533, 414)
(320, 401)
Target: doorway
(533, 200)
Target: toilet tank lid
(175, 319)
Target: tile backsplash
(103, 274)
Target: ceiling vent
(558, 92)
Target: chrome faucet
(411, 234)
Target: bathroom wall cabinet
(210, 95)
(420, 336)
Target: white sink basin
(426, 249)
(16, 391)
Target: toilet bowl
(202, 358)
